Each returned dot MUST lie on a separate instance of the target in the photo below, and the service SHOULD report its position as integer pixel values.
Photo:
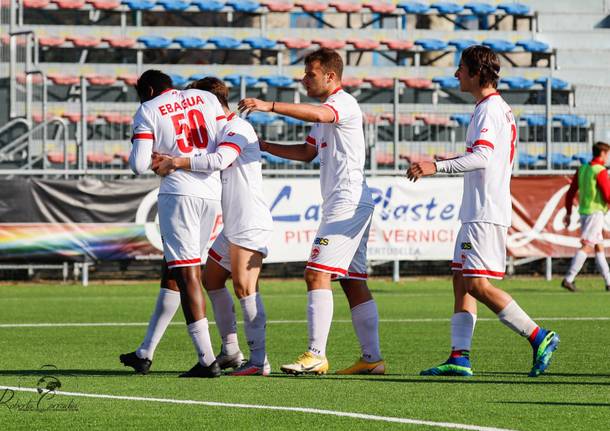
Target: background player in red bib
(339, 250)
(480, 250)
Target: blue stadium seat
(190, 42)
(274, 160)
(224, 42)
(292, 121)
(235, 80)
(558, 160)
(570, 120)
(139, 4)
(462, 119)
(517, 82)
(527, 160)
(499, 45)
(244, 6)
(278, 80)
(583, 158)
(447, 81)
(447, 8)
(462, 44)
(178, 80)
(261, 118)
(556, 83)
(514, 8)
(533, 120)
(414, 7)
(198, 76)
(480, 9)
(258, 42)
(208, 5)
(533, 46)
(155, 41)
(431, 44)
(174, 4)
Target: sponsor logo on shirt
(321, 241)
(466, 246)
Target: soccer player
(240, 248)
(480, 249)
(339, 249)
(179, 122)
(593, 187)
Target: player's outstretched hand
(421, 169)
(250, 105)
(162, 164)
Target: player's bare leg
(319, 318)
(602, 264)
(576, 265)
(365, 319)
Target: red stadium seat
(37, 117)
(128, 79)
(116, 118)
(61, 79)
(105, 4)
(69, 4)
(366, 44)
(84, 41)
(346, 7)
(446, 156)
(417, 158)
(380, 82)
(51, 41)
(311, 6)
(100, 79)
(329, 43)
(369, 118)
(434, 121)
(123, 155)
(384, 159)
(35, 4)
(419, 83)
(403, 119)
(351, 82)
(99, 158)
(380, 7)
(58, 158)
(296, 43)
(277, 6)
(119, 41)
(36, 78)
(75, 117)
(398, 45)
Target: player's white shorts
(256, 240)
(591, 227)
(341, 243)
(186, 224)
(480, 250)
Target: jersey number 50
(193, 132)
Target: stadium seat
(224, 42)
(514, 8)
(35, 79)
(155, 42)
(398, 45)
(369, 118)
(275, 160)
(417, 158)
(533, 45)
(431, 44)
(583, 158)
(462, 119)
(128, 79)
(380, 82)
(556, 83)
(75, 117)
(364, 44)
(403, 119)
(57, 158)
(312, 6)
(570, 120)
(174, 5)
(380, 7)
(198, 76)
(95, 79)
(35, 4)
(296, 43)
(329, 43)
(446, 156)
(480, 9)
(384, 159)
(69, 4)
(84, 41)
(189, 42)
(499, 45)
(119, 41)
(414, 7)
(105, 4)
(178, 80)
(244, 6)
(527, 160)
(462, 44)
(417, 83)
(534, 120)
(235, 80)
(277, 80)
(139, 4)
(116, 118)
(278, 6)
(447, 81)
(351, 82)
(433, 120)
(517, 82)
(259, 42)
(292, 121)
(208, 5)
(51, 41)
(558, 160)
(261, 118)
(447, 8)
(99, 159)
(346, 6)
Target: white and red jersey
(179, 123)
(490, 147)
(342, 151)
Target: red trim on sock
(532, 336)
(457, 354)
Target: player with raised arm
(593, 187)
(339, 249)
(179, 122)
(240, 248)
(480, 249)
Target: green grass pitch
(573, 395)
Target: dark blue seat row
(498, 45)
(220, 42)
(558, 160)
(245, 6)
(566, 120)
(476, 8)
(514, 83)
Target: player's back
(185, 123)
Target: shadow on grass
(84, 373)
(514, 373)
(554, 403)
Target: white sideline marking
(276, 408)
(280, 322)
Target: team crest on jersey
(466, 246)
(321, 241)
(231, 134)
(484, 130)
(315, 252)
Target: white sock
(602, 266)
(168, 302)
(577, 262)
(516, 319)
(224, 314)
(255, 322)
(201, 340)
(319, 318)
(462, 328)
(365, 319)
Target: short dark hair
(214, 86)
(599, 147)
(484, 61)
(154, 79)
(329, 59)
